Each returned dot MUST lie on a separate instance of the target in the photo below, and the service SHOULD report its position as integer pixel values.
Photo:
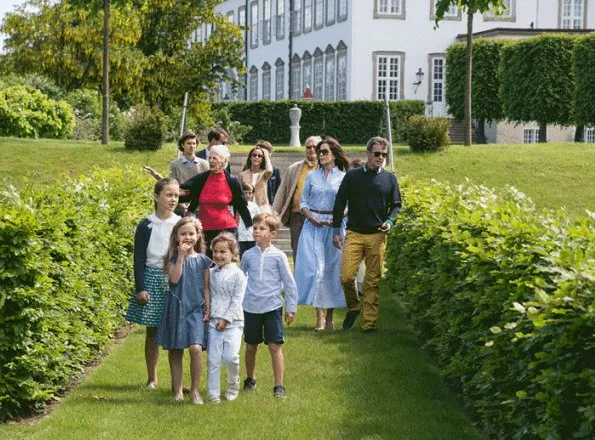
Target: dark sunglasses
(380, 153)
(323, 152)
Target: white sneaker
(214, 399)
(232, 392)
(196, 399)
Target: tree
(174, 65)
(485, 81)
(63, 41)
(471, 7)
(150, 58)
(537, 81)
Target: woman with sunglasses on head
(317, 266)
(257, 171)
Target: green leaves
(502, 297)
(65, 278)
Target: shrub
(502, 298)
(352, 122)
(65, 278)
(427, 134)
(42, 83)
(145, 129)
(26, 112)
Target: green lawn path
(341, 385)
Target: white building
(362, 49)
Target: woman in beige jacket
(257, 171)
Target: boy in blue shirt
(268, 272)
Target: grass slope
(554, 175)
(340, 386)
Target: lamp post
(420, 76)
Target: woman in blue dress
(318, 261)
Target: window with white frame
(437, 79)
(266, 82)
(342, 75)
(530, 135)
(387, 68)
(389, 9)
(318, 14)
(230, 17)
(508, 12)
(280, 20)
(253, 84)
(296, 18)
(307, 71)
(307, 15)
(329, 77)
(330, 11)
(572, 14)
(296, 78)
(590, 135)
(342, 10)
(318, 76)
(254, 24)
(266, 21)
(242, 16)
(279, 80)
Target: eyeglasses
(257, 155)
(323, 152)
(379, 153)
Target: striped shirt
(228, 284)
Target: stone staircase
(282, 161)
(456, 132)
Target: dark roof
(522, 32)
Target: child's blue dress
(182, 322)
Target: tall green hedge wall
(536, 79)
(584, 72)
(485, 84)
(503, 299)
(349, 122)
(65, 278)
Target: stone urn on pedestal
(295, 114)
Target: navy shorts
(269, 324)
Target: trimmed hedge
(145, 128)
(503, 299)
(350, 122)
(584, 63)
(65, 279)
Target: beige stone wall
(511, 133)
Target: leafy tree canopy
(151, 60)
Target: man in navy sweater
(374, 200)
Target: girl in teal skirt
(150, 248)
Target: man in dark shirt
(374, 200)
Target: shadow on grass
(390, 389)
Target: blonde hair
(172, 249)
(271, 219)
(232, 243)
(312, 140)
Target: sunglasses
(323, 152)
(379, 153)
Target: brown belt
(321, 212)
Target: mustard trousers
(371, 249)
